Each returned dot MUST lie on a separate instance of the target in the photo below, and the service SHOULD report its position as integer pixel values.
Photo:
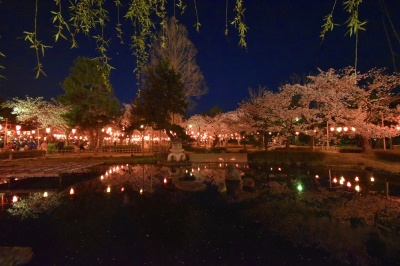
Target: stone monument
(176, 152)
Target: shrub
(280, 156)
(51, 147)
(233, 142)
(218, 150)
(23, 154)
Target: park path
(47, 169)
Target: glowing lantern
(334, 180)
(141, 191)
(45, 194)
(102, 177)
(357, 179)
(372, 179)
(165, 180)
(317, 176)
(122, 189)
(348, 184)
(357, 188)
(14, 199)
(299, 187)
(108, 189)
(72, 191)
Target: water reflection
(147, 178)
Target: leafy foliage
(96, 18)
(91, 100)
(38, 112)
(161, 98)
(35, 205)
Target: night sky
(283, 40)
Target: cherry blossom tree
(38, 112)
(361, 101)
(278, 113)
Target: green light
(299, 187)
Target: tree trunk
(366, 146)
(92, 138)
(288, 143)
(215, 141)
(312, 143)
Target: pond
(133, 215)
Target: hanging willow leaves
(353, 23)
(92, 17)
(2, 67)
(239, 23)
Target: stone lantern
(176, 152)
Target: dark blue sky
(283, 39)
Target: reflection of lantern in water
(108, 189)
(72, 191)
(14, 199)
(45, 194)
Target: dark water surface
(128, 216)
(162, 227)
